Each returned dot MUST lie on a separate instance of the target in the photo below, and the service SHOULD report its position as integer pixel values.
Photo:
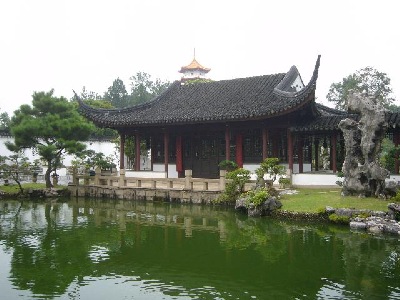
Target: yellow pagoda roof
(194, 65)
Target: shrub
(256, 197)
(283, 181)
(228, 165)
(272, 167)
(364, 215)
(234, 188)
(339, 219)
(397, 197)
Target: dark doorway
(202, 155)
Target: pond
(112, 249)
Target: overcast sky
(66, 45)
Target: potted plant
(271, 167)
(36, 167)
(55, 178)
(284, 182)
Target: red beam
(227, 143)
(300, 154)
(239, 150)
(179, 162)
(333, 152)
(122, 151)
(264, 143)
(290, 149)
(137, 152)
(166, 152)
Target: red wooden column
(166, 152)
(137, 151)
(333, 152)
(396, 137)
(290, 150)
(179, 152)
(264, 143)
(275, 144)
(152, 152)
(316, 151)
(227, 143)
(239, 150)
(122, 151)
(300, 153)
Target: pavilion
(196, 126)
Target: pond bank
(37, 193)
(357, 219)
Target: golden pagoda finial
(194, 53)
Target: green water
(106, 249)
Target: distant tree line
(142, 89)
(4, 123)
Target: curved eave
(331, 122)
(105, 117)
(323, 123)
(194, 65)
(184, 69)
(301, 95)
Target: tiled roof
(239, 99)
(329, 120)
(393, 119)
(194, 65)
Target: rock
(271, 204)
(362, 172)
(241, 204)
(268, 206)
(375, 229)
(358, 225)
(330, 210)
(378, 213)
(348, 212)
(391, 188)
(394, 211)
(382, 225)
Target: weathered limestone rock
(391, 188)
(357, 225)
(394, 211)
(362, 172)
(376, 222)
(47, 193)
(268, 206)
(382, 225)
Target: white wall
(172, 173)
(145, 174)
(194, 74)
(252, 167)
(297, 84)
(107, 148)
(317, 179)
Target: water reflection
(123, 249)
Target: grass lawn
(313, 200)
(14, 189)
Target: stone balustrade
(122, 181)
(187, 189)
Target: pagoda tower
(194, 70)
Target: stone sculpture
(362, 172)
